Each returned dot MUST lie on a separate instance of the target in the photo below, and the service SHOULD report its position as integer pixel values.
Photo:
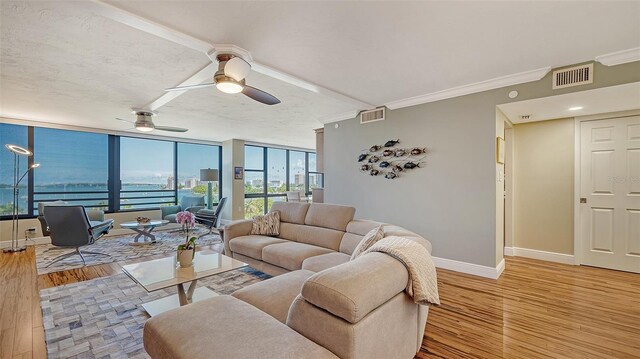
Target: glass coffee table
(144, 230)
(162, 273)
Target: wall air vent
(573, 76)
(372, 115)
(525, 117)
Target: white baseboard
(470, 268)
(541, 255)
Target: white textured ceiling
(379, 52)
(61, 63)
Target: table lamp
(209, 175)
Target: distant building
(190, 183)
(275, 183)
(170, 182)
(298, 179)
(256, 182)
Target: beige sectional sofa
(319, 304)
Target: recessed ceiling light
(575, 108)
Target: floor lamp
(209, 175)
(17, 152)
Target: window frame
(114, 184)
(265, 195)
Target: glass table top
(152, 223)
(165, 272)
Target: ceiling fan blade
(171, 129)
(120, 119)
(237, 68)
(191, 87)
(260, 95)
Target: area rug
(118, 248)
(103, 318)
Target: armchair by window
(70, 226)
(95, 215)
(187, 203)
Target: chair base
(14, 249)
(78, 252)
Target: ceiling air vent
(372, 115)
(573, 76)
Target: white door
(610, 193)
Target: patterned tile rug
(118, 248)
(103, 318)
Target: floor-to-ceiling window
(191, 159)
(146, 173)
(75, 167)
(98, 170)
(270, 172)
(14, 135)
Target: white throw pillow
(367, 241)
(267, 225)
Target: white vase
(185, 257)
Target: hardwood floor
(535, 310)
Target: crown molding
(498, 82)
(620, 57)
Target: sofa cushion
(252, 245)
(266, 225)
(362, 226)
(290, 255)
(355, 288)
(317, 236)
(291, 212)
(275, 295)
(322, 262)
(224, 327)
(329, 216)
(349, 242)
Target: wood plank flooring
(535, 310)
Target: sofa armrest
(236, 229)
(354, 289)
(167, 210)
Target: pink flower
(186, 218)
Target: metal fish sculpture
(400, 153)
(418, 151)
(364, 168)
(374, 148)
(391, 143)
(384, 164)
(374, 172)
(387, 153)
(374, 159)
(390, 175)
(411, 165)
(397, 168)
(362, 157)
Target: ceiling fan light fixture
(145, 127)
(229, 86)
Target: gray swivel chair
(187, 203)
(211, 217)
(70, 226)
(93, 214)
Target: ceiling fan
(145, 123)
(230, 78)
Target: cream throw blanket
(423, 283)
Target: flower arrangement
(187, 250)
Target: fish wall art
(390, 160)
